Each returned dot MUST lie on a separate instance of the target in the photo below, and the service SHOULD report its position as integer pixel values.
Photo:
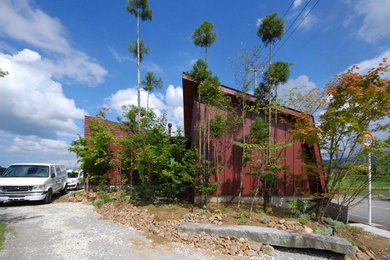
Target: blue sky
(67, 59)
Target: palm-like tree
(139, 8)
(203, 36)
(270, 30)
(151, 83)
(133, 48)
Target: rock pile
(140, 219)
(290, 225)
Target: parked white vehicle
(32, 181)
(74, 179)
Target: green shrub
(325, 231)
(303, 218)
(98, 203)
(264, 220)
(259, 211)
(105, 197)
(334, 223)
(239, 215)
(218, 211)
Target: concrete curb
(273, 236)
(373, 230)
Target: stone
(281, 221)
(252, 253)
(308, 230)
(242, 240)
(274, 237)
(362, 256)
(268, 250)
(371, 255)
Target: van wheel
(64, 190)
(47, 199)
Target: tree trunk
(138, 76)
(147, 104)
(254, 197)
(243, 151)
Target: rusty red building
(292, 180)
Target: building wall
(230, 155)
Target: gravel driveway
(76, 231)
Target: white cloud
(171, 103)
(297, 3)
(366, 65)
(259, 20)
(301, 84)
(32, 102)
(376, 19)
(118, 56)
(309, 20)
(32, 144)
(20, 21)
(152, 67)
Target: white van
(74, 179)
(32, 181)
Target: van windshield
(27, 171)
(73, 174)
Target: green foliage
(3, 73)
(218, 211)
(277, 73)
(151, 82)
(271, 29)
(98, 203)
(264, 220)
(93, 153)
(3, 230)
(334, 223)
(259, 211)
(105, 197)
(303, 218)
(139, 8)
(143, 50)
(203, 36)
(259, 131)
(325, 231)
(239, 215)
(164, 164)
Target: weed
(218, 211)
(239, 215)
(157, 216)
(264, 220)
(98, 203)
(325, 231)
(303, 218)
(334, 223)
(105, 197)
(259, 211)
(355, 231)
(243, 221)
(353, 242)
(3, 229)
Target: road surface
(380, 213)
(75, 231)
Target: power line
(296, 18)
(285, 13)
(289, 36)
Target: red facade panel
(292, 179)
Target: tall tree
(352, 103)
(139, 8)
(151, 83)
(133, 48)
(270, 30)
(203, 36)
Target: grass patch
(3, 229)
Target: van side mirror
(53, 175)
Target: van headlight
(38, 188)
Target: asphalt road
(380, 213)
(75, 231)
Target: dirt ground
(377, 245)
